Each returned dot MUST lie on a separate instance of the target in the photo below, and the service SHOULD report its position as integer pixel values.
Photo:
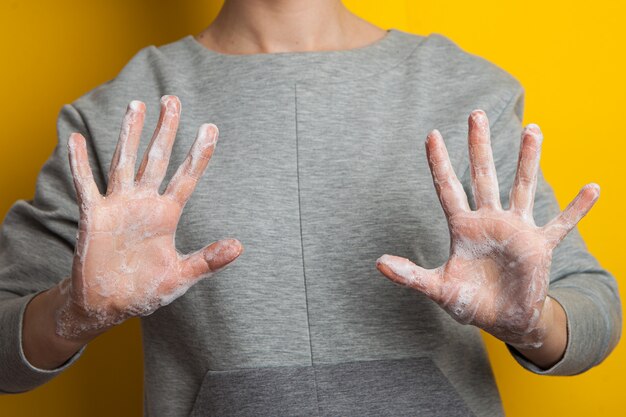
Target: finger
(122, 170)
(404, 272)
(184, 181)
(482, 168)
(86, 188)
(523, 191)
(450, 191)
(562, 224)
(210, 259)
(156, 158)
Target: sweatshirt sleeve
(587, 292)
(36, 249)
(37, 237)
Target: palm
(126, 263)
(497, 275)
(502, 258)
(130, 253)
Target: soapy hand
(125, 261)
(497, 274)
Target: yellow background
(569, 55)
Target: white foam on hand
(125, 261)
(497, 275)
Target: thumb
(404, 272)
(210, 259)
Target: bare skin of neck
(269, 26)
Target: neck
(268, 26)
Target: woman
(319, 172)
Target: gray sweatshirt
(320, 169)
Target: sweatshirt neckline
(380, 43)
(330, 65)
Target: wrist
(74, 322)
(42, 346)
(553, 342)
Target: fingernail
(534, 131)
(478, 115)
(595, 187)
(135, 105)
(534, 128)
(432, 134)
(226, 252)
(73, 139)
(211, 131)
(171, 102)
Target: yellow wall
(569, 55)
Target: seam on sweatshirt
(306, 297)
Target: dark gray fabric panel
(406, 387)
(271, 391)
(402, 387)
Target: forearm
(555, 342)
(42, 346)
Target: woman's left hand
(497, 275)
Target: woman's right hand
(125, 263)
